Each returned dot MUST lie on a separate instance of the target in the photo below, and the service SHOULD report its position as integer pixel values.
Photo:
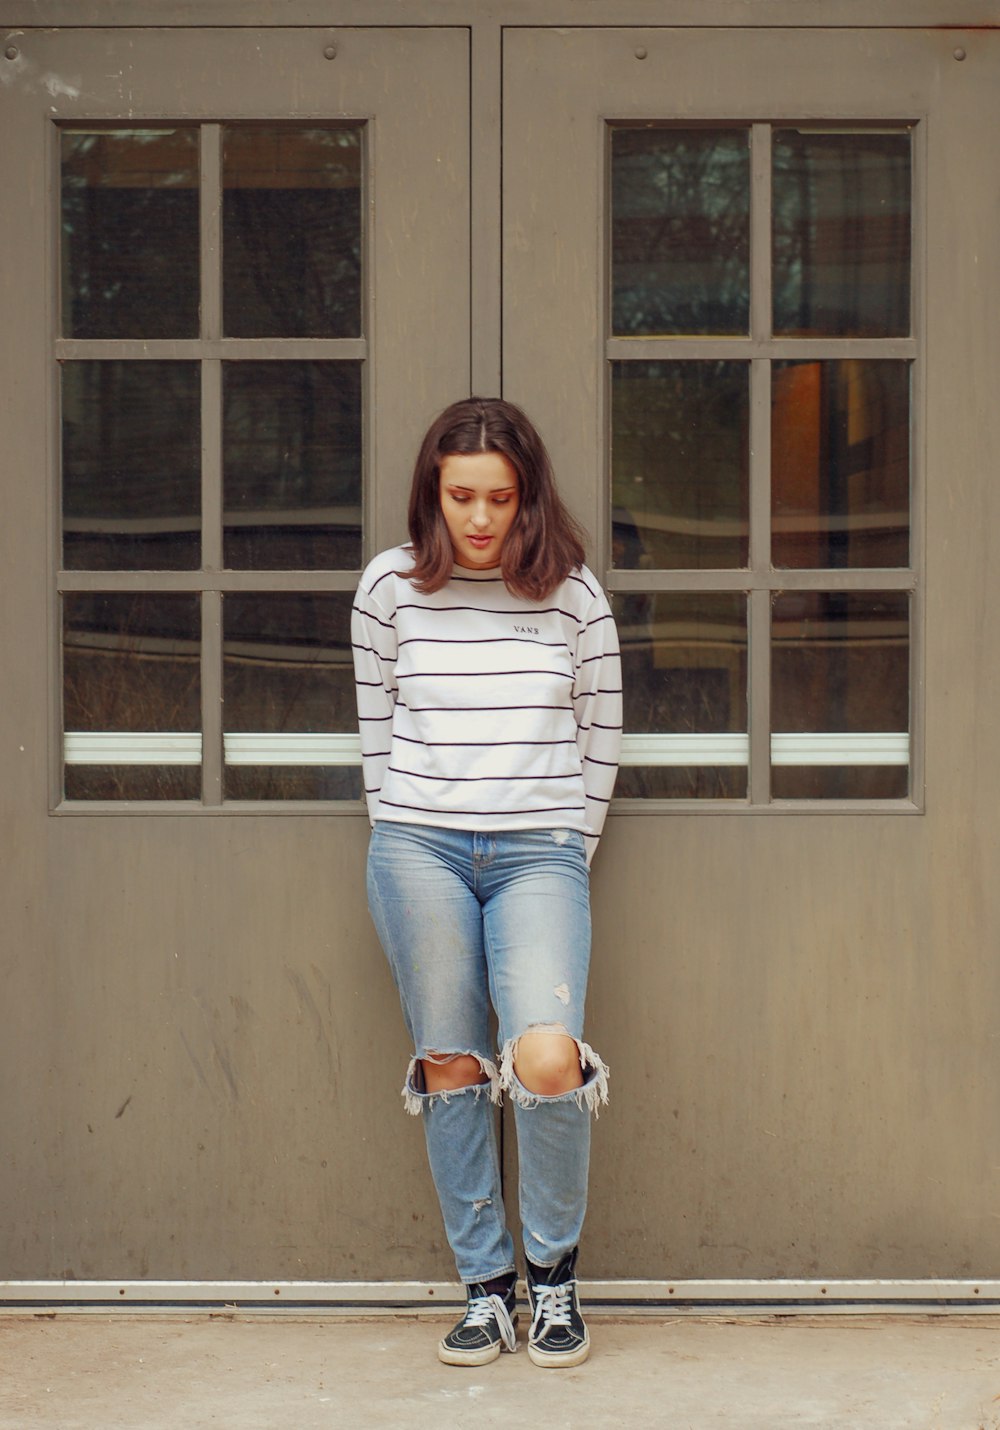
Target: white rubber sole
(553, 1360)
(483, 1357)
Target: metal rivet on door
(330, 52)
(11, 52)
(641, 52)
(959, 53)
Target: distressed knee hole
(449, 1071)
(546, 1061)
(436, 1076)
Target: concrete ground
(100, 1372)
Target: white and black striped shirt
(481, 709)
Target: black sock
(500, 1285)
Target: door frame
(487, 25)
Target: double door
(744, 278)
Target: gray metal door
(796, 914)
(235, 284)
(750, 280)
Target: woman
(489, 703)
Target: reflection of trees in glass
(841, 662)
(684, 671)
(287, 663)
(680, 204)
(841, 233)
(292, 434)
(293, 782)
(131, 663)
(130, 233)
(132, 782)
(681, 782)
(680, 475)
(292, 464)
(292, 232)
(288, 669)
(840, 782)
(684, 663)
(131, 465)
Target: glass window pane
(840, 669)
(131, 465)
(132, 782)
(291, 231)
(292, 465)
(840, 463)
(681, 782)
(684, 674)
(840, 782)
(680, 223)
(130, 233)
(294, 782)
(287, 671)
(679, 464)
(131, 696)
(841, 214)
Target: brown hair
(544, 543)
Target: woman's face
(479, 501)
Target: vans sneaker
(558, 1336)
(487, 1326)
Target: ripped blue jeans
(468, 920)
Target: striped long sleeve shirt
(480, 709)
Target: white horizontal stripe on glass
(292, 749)
(728, 749)
(119, 747)
(130, 747)
(860, 749)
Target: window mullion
(211, 462)
(759, 604)
(211, 331)
(211, 231)
(211, 697)
(760, 232)
(760, 466)
(759, 613)
(759, 703)
(211, 465)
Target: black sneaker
(558, 1336)
(488, 1325)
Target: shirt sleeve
(597, 702)
(373, 641)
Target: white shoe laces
(552, 1308)
(483, 1309)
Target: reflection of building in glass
(840, 463)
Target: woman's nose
(480, 517)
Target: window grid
(760, 580)
(211, 580)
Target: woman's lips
(479, 541)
